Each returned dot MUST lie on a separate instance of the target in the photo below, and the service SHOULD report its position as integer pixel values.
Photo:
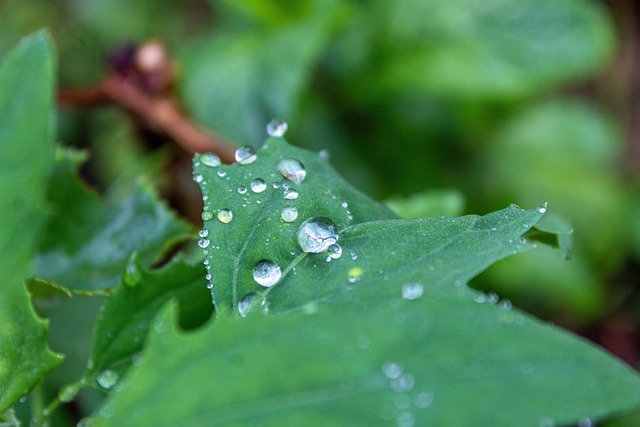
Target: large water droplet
(245, 155)
(267, 273)
(290, 194)
(250, 301)
(207, 215)
(107, 378)
(412, 290)
(292, 170)
(210, 159)
(258, 185)
(289, 214)
(315, 235)
(225, 216)
(277, 128)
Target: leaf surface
(87, 242)
(26, 90)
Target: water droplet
(68, 392)
(222, 173)
(354, 274)
(492, 297)
(225, 216)
(245, 155)
(267, 273)
(207, 215)
(290, 194)
(542, 209)
(289, 214)
(276, 185)
(132, 275)
(324, 154)
(250, 301)
(107, 378)
(506, 305)
(334, 251)
(203, 233)
(258, 185)
(412, 290)
(345, 205)
(423, 400)
(242, 189)
(406, 419)
(203, 243)
(277, 128)
(315, 235)
(403, 383)
(210, 159)
(197, 178)
(292, 170)
(392, 369)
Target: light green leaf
(124, 320)
(428, 203)
(26, 98)
(441, 359)
(87, 242)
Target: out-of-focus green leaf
(428, 203)
(498, 49)
(87, 242)
(26, 99)
(236, 82)
(124, 320)
(494, 365)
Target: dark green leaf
(458, 363)
(26, 89)
(87, 242)
(124, 320)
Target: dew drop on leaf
(225, 216)
(251, 300)
(197, 178)
(289, 214)
(277, 128)
(334, 251)
(210, 159)
(203, 243)
(290, 194)
(245, 155)
(392, 369)
(207, 215)
(267, 273)
(412, 290)
(221, 173)
(316, 234)
(107, 378)
(242, 189)
(292, 170)
(258, 185)
(203, 233)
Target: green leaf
(26, 99)
(124, 320)
(257, 231)
(236, 82)
(457, 363)
(87, 242)
(428, 203)
(508, 48)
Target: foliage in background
(415, 97)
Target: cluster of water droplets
(402, 383)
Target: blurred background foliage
(446, 107)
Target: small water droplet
(207, 215)
(242, 189)
(277, 128)
(203, 233)
(412, 290)
(250, 301)
(203, 243)
(210, 159)
(334, 251)
(222, 173)
(403, 383)
(107, 378)
(292, 170)
(68, 392)
(392, 369)
(316, 234)
(289, 214)
(245, 155)
(197, 178)
(354, 256)
(208, 276)
(492, 297)
(406, 419)
(225, 216)
(506, 305)
(276, 185)
(324, 154)
(258, 185)
(267, 273)
(542, 209)
(423, 400)
(290, 194)
(345, 205)
(354, 274)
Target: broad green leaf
(441, 359)
(87, 242)
(26, 91)
(256, 230)
(502, 49)
(124, 320)
(235, 82)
